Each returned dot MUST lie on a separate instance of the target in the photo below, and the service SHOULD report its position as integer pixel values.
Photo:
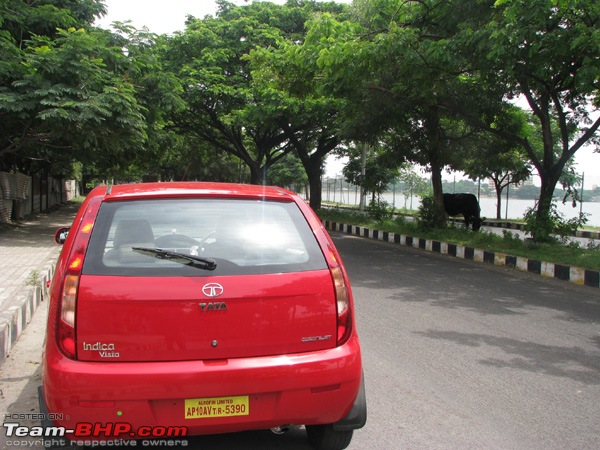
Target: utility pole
(363, 172)
(581, 199)
(507, 193)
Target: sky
(162, 17)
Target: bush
(427, 213)
(380, 210)
(547, 228)
(510, 237)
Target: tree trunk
(435, 161)
(438, 198)
(314, 179)
(256, 173)
(544, 225)
(498, 201)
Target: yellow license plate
(202, 408)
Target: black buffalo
(465, 205)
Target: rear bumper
(311, 388)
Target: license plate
(203, 408)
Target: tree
(66, 88)
(413, 184)
(288, 173)
(461, 62)
(501, 161)
(402, 77)
(379, 173)
(158, 91)
(292, 91)
(223, 107)
(58, 81)
(547, 53)
(23, 20)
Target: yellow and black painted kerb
(572, 274)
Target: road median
(576, 275)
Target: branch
(562, 122)
(584, 138)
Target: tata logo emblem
(212, 289)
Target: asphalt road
(457, 355)
(460, 355)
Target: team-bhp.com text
(95, 435)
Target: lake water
(516, 207)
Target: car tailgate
(218, 317)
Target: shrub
(380, 210)
(427, 213)
(546, 229)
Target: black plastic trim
(357, 417)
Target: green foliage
(287, 172)
(24, 20)
(428, 82)
(292, 92)
(546, 228)
(223, 107)
(570, 181)
(158, 91)
(427, 215)
(511, 238)
(63, 79)
(549, 52)
(380, 209)
(405, 83)
(34, 278)
(499, 160)
(440, 74)
(380, 169)
(412, 183)
(509, 244)
(66, 86)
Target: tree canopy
(432, 82)
(64, 93)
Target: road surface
(456, 355)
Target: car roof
(136, 191)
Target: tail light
(67, 306)
(344, 312)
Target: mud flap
(357, 417)
(50, 440)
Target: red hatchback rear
(180, 309)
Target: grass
(510, 243)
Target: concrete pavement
(28, 254)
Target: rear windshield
(241, 236)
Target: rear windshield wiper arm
(188, 260)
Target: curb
(507, 224)
(15, 318)
(519, 226)
(577, 275)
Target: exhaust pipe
(282, 429)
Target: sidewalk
(28, 254)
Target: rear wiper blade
(188, 260)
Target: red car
(180, 309)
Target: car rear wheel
(324, 437)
